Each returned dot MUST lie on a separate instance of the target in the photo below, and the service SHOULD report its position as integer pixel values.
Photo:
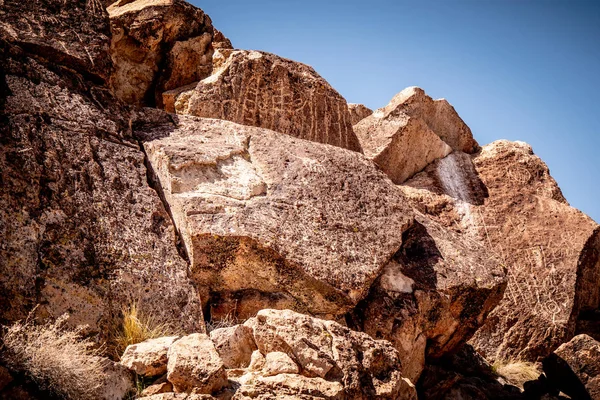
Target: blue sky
(517, 70)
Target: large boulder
(269, 220)
(264, 90)
(235, 345)
(574, 368)
(412, 131)
(328, 353)
(505, 198)
(194, 364)
(82, 230)
(158, 45)
(432, 296)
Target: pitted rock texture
(329, 354)
(82, 231)
(509, 202)
(272, 220)
(411, 132)
(159, 45)
(358, 112)
(264, 90)
(148, 358)
(74, 34)
(432, 296)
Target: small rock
(235, 345)
(158, 387)
(277, 363)
(148, 358)
(194, 364)
(257, 361)
(118, 382)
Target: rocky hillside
(184, 220)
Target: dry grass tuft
(138, 327)
(56, 359)
(517, 372)
(228, 321)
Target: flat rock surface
(275, 220)
(264, 90)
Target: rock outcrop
(411, 132)
(507, 200)
(574, 368)
(432, 296)
(263, 90)
(298, 357)
(269, 220)
(358, 112)
(159, 45)
(82, 231)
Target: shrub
(58, 360)
(137, 327)
(517, 372)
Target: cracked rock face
(432, 296)
(411, 132)
(159, 45)
(271, 220)
(519, 214)
(264, 90)
(82, 231)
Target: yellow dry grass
(137, 327)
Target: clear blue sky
(517, 70)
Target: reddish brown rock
(574, 368)
(82, 231)
(271, 220)
(358, 112)
(261, 89)
(158, 45)
(508, 201)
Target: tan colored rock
(271, 220)
(412, 131)
(432, 296)
(163, 386)
(507, 200)
(277, 363)
(257, 361)
(148, 358)
(178, 396)
(574, 368)
(117, 382)
(82, 230)
(194, 364)
(358, 112)
(439, 116)
(400, 145)
(288, 387)
(263, 90)
(235, 345)
(366, 368)
(158, 45)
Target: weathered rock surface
(277, 363)
(148, 358)
(290, 387)
(194, 364)
(432, 296)
(82, 231)
(269, 220)
(358, 112)
(508, 201)
(235, 345)
(574, 368)
(412, 131)
(158, 45)
(366, 368)
(117, 382)
(261, 89)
